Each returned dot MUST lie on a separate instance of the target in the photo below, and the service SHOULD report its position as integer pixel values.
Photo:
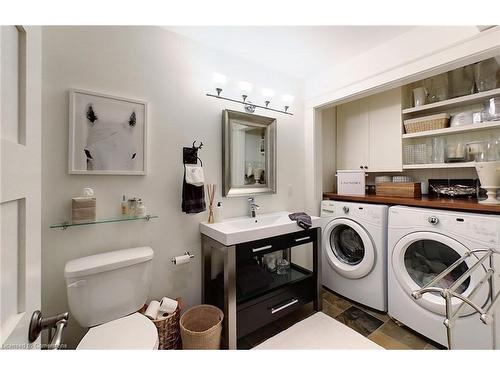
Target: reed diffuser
(211, 196)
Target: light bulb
(245, 87)
(288, 99)
(267, 94)
(219, 79)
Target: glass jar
(462, 81)
(438, 145)
(437, 88)
(282, 266)
(486, 74)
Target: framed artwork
(107, 134)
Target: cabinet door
(352, 135)
(385, 132)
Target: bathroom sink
(243, 229)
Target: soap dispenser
(218, 212)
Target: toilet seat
(134, 331)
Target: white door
(419, 257)
(348, 248)
(353, 135)
(385, 132)
(20, 195)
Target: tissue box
(351, 182)
(83, 209)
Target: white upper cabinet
(353, 131)
(369, 133)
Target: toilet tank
(108, 286)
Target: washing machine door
(419, 257)
(348, 248)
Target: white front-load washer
(421, 244)
(355, 250)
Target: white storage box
(351, 182)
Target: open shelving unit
(479, 97)
(464, 133)
(439, 165)
(455, 130)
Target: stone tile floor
(376, 326)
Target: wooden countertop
(468, 205)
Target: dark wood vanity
(247, 310)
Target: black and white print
(107, 134)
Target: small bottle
(218, 212)
(141, 208)
(124, 206)
(132, 207)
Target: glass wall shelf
(67, 224)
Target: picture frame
(107, 134)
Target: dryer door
(419, 257)
(348, 248)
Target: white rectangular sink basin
(243, 229)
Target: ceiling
(298, 51)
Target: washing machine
(355, 251)
(421, 244)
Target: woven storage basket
(427, 123)
(201, 327)
(169, 335)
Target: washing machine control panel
(480, 228)
(345, 209)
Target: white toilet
(105, 291)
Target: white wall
(413, 45)
(172, 74)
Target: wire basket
(169, 332)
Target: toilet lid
(130, 332)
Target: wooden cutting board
(399, 189)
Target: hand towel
(194, 175)
(303, 220)
(193, 197)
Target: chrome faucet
(252, 206)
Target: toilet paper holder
(187, 253)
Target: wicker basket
(427, 123)
(169, 335)
(201, 327)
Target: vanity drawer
(261, 247)
(276, 306)
(302, 237)
(269, 245)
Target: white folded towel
(194, 175)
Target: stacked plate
(402, 179)
(379, 179)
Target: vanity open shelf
(67, 224)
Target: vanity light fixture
(220, 81)
(287, 99)
(267, 94)
(246, 89)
